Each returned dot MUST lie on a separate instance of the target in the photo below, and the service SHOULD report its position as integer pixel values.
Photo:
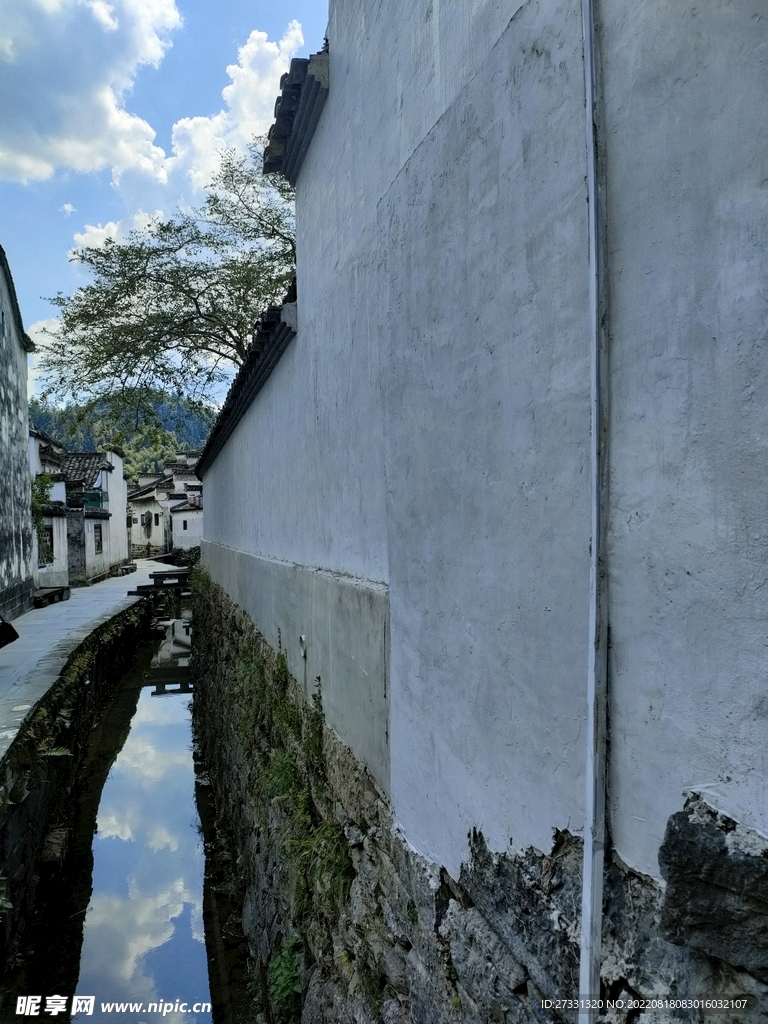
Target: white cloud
(112, 825)
(146, 762)
(248, 110)
(104, 13)
(38, 329)
(161, 839)
(65, 67)
(67, 208)
(120, 932)
(249, 103)
(96, 235)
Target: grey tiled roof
(273, 332)
(162, 483)
(186, 507)
(304, 89)
(83, 467)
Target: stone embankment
(39, 767)
(347, 923)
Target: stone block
(717, 888)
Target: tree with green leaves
(173, 308)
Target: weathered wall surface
(15, 515)
(96, 562)
(76, 546)
(380, 390)
(482, 313)
(370, 931)
(156, 538)
(687, 215)
(85, 562)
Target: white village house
(187, 522)
(50, 561)
(153, 500)
(97, 531)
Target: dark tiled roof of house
(275, 329)
(35, 432)
(52, 456)
(187, 506)
(304, 89)
(83, 467)
(160, 484)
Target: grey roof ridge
(276, 329)
(304, 90)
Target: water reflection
(143, 939)
(120, 918)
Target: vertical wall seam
(597, 691)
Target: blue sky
(113, 110)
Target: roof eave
(304, 90)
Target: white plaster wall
(428, 428)
(482, 312)
(311, 489)
(35, 462)
(56, 574)
(96, 563)
(686, 95)
(193, 535)
(117, 489)
(138, 536)
(344, 625)
(15, 515)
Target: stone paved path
(47, 636)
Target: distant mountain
(179, 425)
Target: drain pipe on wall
(597, 668)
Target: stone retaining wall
(39, 768)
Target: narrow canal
(118, 916)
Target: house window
(184, 524)
(157, 518)
(97, 539)
(135, 520)
(45, 545)
(92, 499)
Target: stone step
(50, 595)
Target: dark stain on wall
(15, 511)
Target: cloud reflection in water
(143, 936)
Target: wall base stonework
(332, 627)
(369, 931)
(17, 599)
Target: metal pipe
(597, 691)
